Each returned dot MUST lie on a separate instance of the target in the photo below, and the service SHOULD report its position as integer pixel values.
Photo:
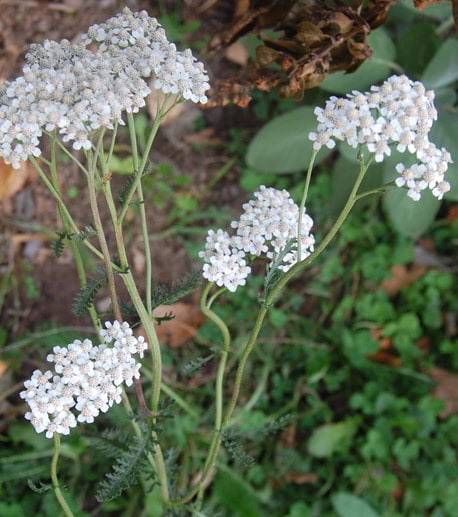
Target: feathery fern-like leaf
(111, 442)
(88, 232)
(167, 295)
(58, 245)
(196, 364)
(125, 472)
(86, 295)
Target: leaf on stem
(126, 470)
(85, 297)
(168, 295)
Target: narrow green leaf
(126, 470)
(282, 145)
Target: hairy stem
(147, 322)
(66, 224)
(142, 165)
(55, 481)
(100, 230)
(144, 223)
(216, 436)
(61, 203)
(302, 205)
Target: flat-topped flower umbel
(399, 113)
(76, 90)
(86, 378)
(268, 223)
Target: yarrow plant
(76, 96)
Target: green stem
(100, 230)
(55, 481)
(65, 223)
(144, 223)
(141, 168)
(68, 153)
(173, 395)
(378, 190)
(302, 205)
(216, 437)
(296, 269)
(146, 320)
(61, 203)
(112, 144)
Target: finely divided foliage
(400, 112)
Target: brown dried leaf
(402, 277)
(446, 389)
(237, 53)
(452, 214)
(3, 368)
(206, 136)
(455, 12)
(301, 478)
(385, 358)
(14, 180)
(421, 4)
(188, 318)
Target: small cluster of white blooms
(86, 380)
(399, 113)
(268, 223)
(75, 90)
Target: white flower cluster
(136, 40)
(86, 378)
(76, 90)
(269, 222)
(401, 113)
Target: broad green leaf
(282, 145)
(344, 174)
(445, 134)
(438, 12)
(348, 505)
(410, 218)
(327, 439)
(416, 47)
(236, 495)
(445, 98)
(378, 67)
(443, 68)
